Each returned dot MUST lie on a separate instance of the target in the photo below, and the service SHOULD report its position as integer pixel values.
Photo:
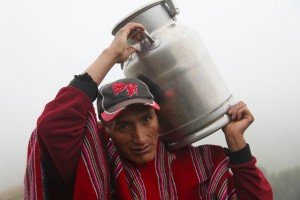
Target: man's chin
(143, 160)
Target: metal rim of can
(135, 13)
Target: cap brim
(114, 111)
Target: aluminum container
(175, 64)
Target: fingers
(131, 50)
(233, 109)
(128, 28)
(136, 35)
(240, 111)
(119, 46)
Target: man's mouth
(142, 150)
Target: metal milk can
(174, 63)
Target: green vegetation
(286, 184)
(14, 193)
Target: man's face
(135, 133)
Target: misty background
(254, 43)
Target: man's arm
(117, 52)
(249, 182)
(63, 122)
(60, 129)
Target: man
(70, 155)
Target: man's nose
(140, 136)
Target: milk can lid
(135, 13)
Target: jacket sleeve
(60, 130)
(248, 180)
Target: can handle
(140, 43)
(143, 40)
(148, 36)
(138, 33)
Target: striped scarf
(34, 175)
(212, 177)
(91, 174)
(125, 176)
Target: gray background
(254, 43)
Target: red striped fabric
(209, 175)
(92, 173)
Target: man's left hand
(241, 118)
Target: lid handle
(172, 8)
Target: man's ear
(108, 129)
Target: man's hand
(241, 118)
(118, 51)
(119, 46)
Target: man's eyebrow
(146, 113)
(121, 121)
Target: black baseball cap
(116, 96)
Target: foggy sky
(254, 43)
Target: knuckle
(242, 103)
(131, 24)
(122, 30)
(251, 118)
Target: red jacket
(68, 158)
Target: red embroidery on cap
(131, 89)
(118, 87)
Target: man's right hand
(119, 46)
(117, 52)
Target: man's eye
(147, 119)
(123, 127)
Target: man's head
(127, 109)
